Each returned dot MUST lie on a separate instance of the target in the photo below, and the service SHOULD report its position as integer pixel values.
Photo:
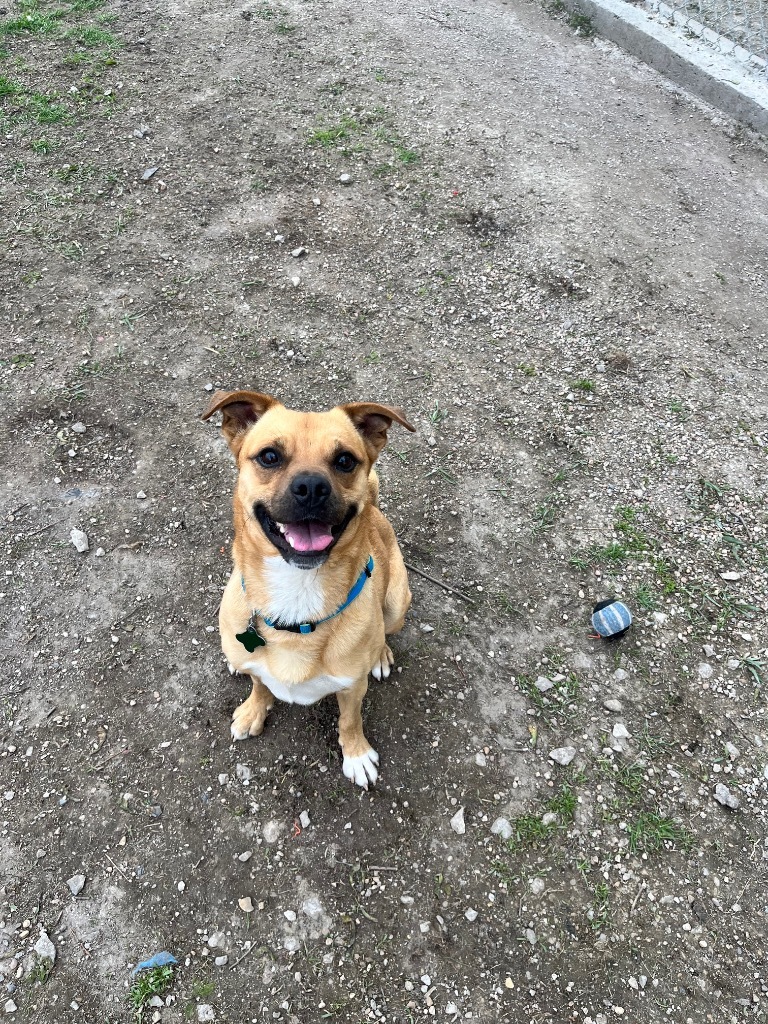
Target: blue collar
(310, 627)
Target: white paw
(385, 661)
(362, 770)
(238, 733)
(231, 668)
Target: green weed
(651, 832)
(333, 134)
(583, 384)
(155, 982)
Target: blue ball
(611, 618)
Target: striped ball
(611, 618)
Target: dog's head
(303, 475)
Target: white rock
(501, 827)
(76, 883)
(613, 705)
(451, 1008)
(426, 980)
(221, 961)
(100, 552)
(156, 1002)
(724, 796)
(246, 904)
(205, 1013)
(537, 886)
(298, 252)
(530, 934)
(217, 940)
(79, 539)
(471, 914)
(550, 818)
(705, 670)
(563, 755)
(543, 684)
(481, 760)
(620, 732)
(620, 675)
(730, 575)
(304, 819)
(732, 750)
(141, 495)
(272, 831)
(709, 650)
(10, 1006)
(426, 628)
(44, 948)
(312, 908)
(243, 772)
(78, 428)
(345, 179)
(457, 822)
(289, 915)
(223, 779)
(407, 901)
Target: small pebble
(217, 940)
(537, 886)
(345, 179)
(289, 915)
(470, 914)
(246, 904)
(44, 948)
(724, 796)
(299, 252)
(141, 495)
(205, 1013)
(78, 428)
(613, 705)
(620, 732)
(501, 827)
(481, 760)
(243, 772)
(530, 934)
(79, 539)
(221, 961)
(304, 819)
(543, 684)
(550, 818)
(457, 822)
(563, 755)
(245, 856)
(76, 883)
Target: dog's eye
(345, 462)
(269, 458)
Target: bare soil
(556, 264)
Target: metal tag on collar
(251, 639)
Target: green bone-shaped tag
(250, 639)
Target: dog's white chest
(308, 692)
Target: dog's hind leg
(248, 719)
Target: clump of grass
(583, 384)
(582, 24)
(333, 134)
(155, 982)
(651, 832)
(93, 37)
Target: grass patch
(581, 24)
(8, 88)
(333, 134)
(150, 983)
(32, 21)
(94, 37)
(651, 832)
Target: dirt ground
(556, 264)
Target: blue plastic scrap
(158, 960)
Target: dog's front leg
(360, 759)
(248, 719)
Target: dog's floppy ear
(373, 421)
(239, 409)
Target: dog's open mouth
(307, 537)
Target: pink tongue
(308, 536)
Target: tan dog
(319, 579)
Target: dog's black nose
(310, 490)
